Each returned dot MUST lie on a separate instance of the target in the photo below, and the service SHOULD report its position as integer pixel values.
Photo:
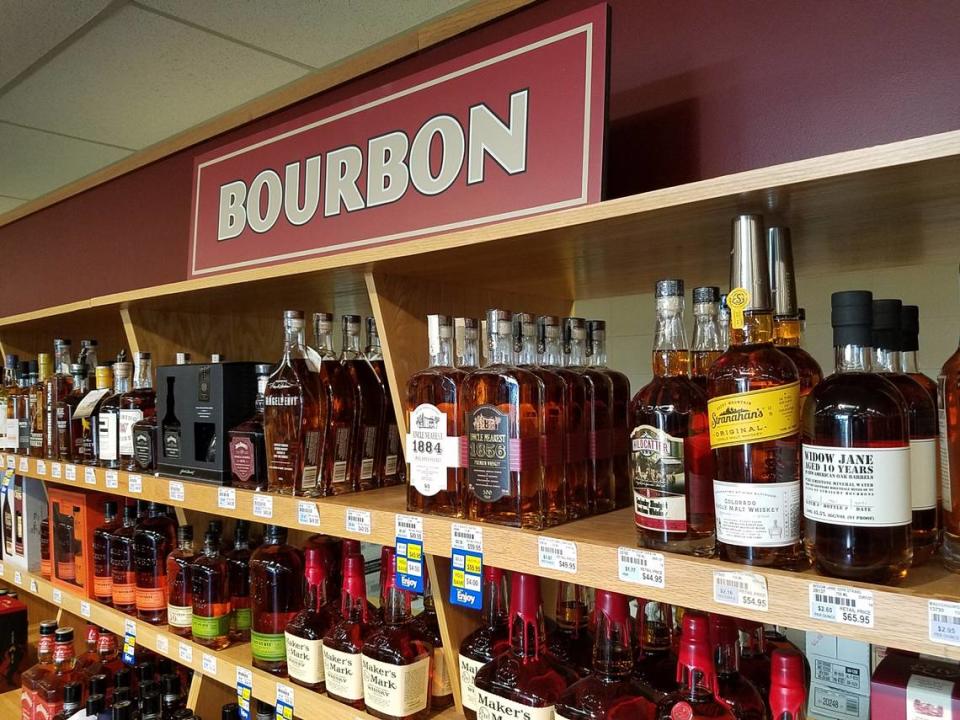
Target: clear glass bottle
(135, 405)
(69, 429)
(707, 343)
(733, 688)
(340, 427)
(467, 334)
(23, 407)
(210, 586)
(342, 645)
(672, 463)
(304, 634)
(486, 642)
(369, 402)
(102, 544)
(122, 565)
(180, 584)
(276, 594)
(655, 667)
(390, 466)
(248, 451)
(238, 567)
(56, 388)
(108, 419)
(154, 540)
(570, 640)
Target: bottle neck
(528, 350)
(211, 549)
(324, 341)
(80, 382)
(351, 346)
(397, 606)
(470, 352)
(501, 349)
(598, 351)
(143, 375)
(260, 402)
(885, 360)
(121, 384)
(552, 352)
(786, 331)
(45, 649)
(495, 605)
(612, 649)
(293, 347)
(727, 658)
(757, 329)
(706, 328)
(695, 682)
(442, 355)
(316, 592)
(527, 637)
(186, 546)
(373, 351)
(62, 359)
(576, 355)
(852, 358)
(670, 354)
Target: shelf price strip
(244, 691)
(641, 567)
(284, 704)
(944, 621)
(741, 589)
(554, 554)
(466, 560)
(129, 642)
(409, 545)
(841, 604)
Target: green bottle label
(268, 647)
(209, 628)
(241, 619)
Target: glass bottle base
(783, 558)
(951, 551)
(705, 546)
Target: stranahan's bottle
(571, 641)
(707, 339)
(396, 659)
(434, 428)
(486, 642)
(655, 667)
(671, 461)
(754, 414)
(390, 460)
(342, 645)
(428, 625)
(154, 540)
(276, 593)
(788, 690)
(304, 634)
(734, 689)
(608, 691)
(180, 584)
(368, 397)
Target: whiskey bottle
(6, 497)
(608, 691)
(390, 467)
(122, 566)
(30, 679)
(733, 688)
(486, 642)
(525, 681)
(948, 410)
(467, 332)
(786, 320)
(503, 418)
(434, 428)
(576, 440)
(570, 640)
(56, 387)
(601, 482)
(180, 584)
(342, 646)
(210, 585)
(51, 686)
(788, 689)
(340, 430)
(238, 567)
(428, 626)
(754, 413)
(620, 430)
(248, 452)
(69, 429)
(88, 662)
(276, 594)
(707, 339)
(109, 650)
(170, 427)
(108, 419)
(38, 404)
(135, 405)
(369, 403)
(65, 546)
(655, 666)
(856, 459)
(396, 660)
(921, 423)
(671, 460)
(723, 320)
(292, 417)
(102, 544)
(154, 539)
(8, 391)
(552, 443)
(88, 412)
(910, 339)
(23, 406)
(304, 634)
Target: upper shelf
(888, 205)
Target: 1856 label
(659, 480)
(755, 416)
(488, 459)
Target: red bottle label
(681, 711)
(242, 458)
(107, 643)
(62, 652)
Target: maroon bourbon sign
(513, 129)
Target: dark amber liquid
(391, 452)
(483, 645)
(179, 585)
(276, 594)
(427, 624)
(211, 596)
(606, 698)
(144, 400)
(292, 418)
(552, 450)
(154, 540)
(102, 542)
(576, 444)
(238, 569)
(370, 403)
(601, 480)
(949, 404)
(340, 428)
(398, 645)
(348, 636)
(620, 437)
(700, 363)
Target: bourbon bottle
(30, 679)
(707, 339)
(55, 389)
(910, 339)
(238, 568)
(486, 642)
(467, 332)
(276, 593)
(948, 410)
(108, 418)
(503, 418)
(434, 428)
(180, 583)
(570, 640)
(46, 564)
(396, 659)
(210, 592)
(89, 412)
(248, 451)
(671, 461)
(525, 681)
(154, 540)
(620, 430)
(136, 405)
(856, 459)
(754, 414)
(304, 634)
(788, 690)
(428, 625)
(754, 654)
(70, 429)
(51, 686)
(102, 544)
(88, 662)
(734, 689)
(922, 425)
(390, 461)
(786, 316)
(369, 401)
(342, 645)
(655, 667)
(37, 400)
(340, 429)
(122, 565)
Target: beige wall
(630, 318)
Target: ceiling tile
(33, 163)
(137, 78)
(314, 32)
(31, 29)
(7, 203)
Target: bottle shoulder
(857, 392)
(760, 363)
(535, 681)
(677, 393)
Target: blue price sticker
(410, 553)
(284, 707)
(466, 579)
(129, 643)
(244, 692)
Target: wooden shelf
(901, 614)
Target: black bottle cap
(852, 317)
(63, 635)
(708, 294)
(129, 513)
(121, 692)
(886, 324)
(166, 666)
(215, 527)
(97, 684)
(122, 710)
(121, 678)
(24, 367)
(230, 711)
(34, 368)
(96, 703)
(668, 288)
(910, 328)
(275, 532)
(149, 687)
(150, 703)
(145, 671)
(73, 693)
(170, 684)
(185, 533)
(264, 710)
(48, 627)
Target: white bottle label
(441, 686)
(929, 697)
(494, 707)
(862, 487)
(659, 480)
(757, 514)
(430, 451)
(923, 474)
(396, 690)
(128, 418)
(344, 673)
(946, 492)
(468, 690)
(304, 659)
(180, 616)
(107, 435)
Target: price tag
(163, 644)
(112, 479)
(209, 664)
(57, 596)
(263, 506)
(85, 608)
(185, 652)
(944, 620)
(409, 544)
(70, 471)
(11, 462)
(641, 567)
(24, 465)
(34, 588)
(3, 459)
(56, 470)
(134, 484)
(284, 706)
(466, 560)
(17, 577)
(90, 476)
(41, 467)
(307, 513)
(358, 521)
(176, 491)
(226, 498)
(556, 554)
(841, 604)
(244, 691)
(741, 589)
(129, 642)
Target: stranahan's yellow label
(755, 416)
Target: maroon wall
(698, 88)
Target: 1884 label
(488, 459)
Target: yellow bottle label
(755, 416)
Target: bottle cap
(183, 358)
(24, 368)
(104, 375)
(63, 635)
(668, 288)
(851, 314)
(596, 327)
(137, 356)
(886, 324)
(211, 539)
(73, 693)
(293, 314)
(262, 369)
(439, 327)
(170, 684)
(723, 630)
(614, 606)
(275, 532)
(371, 326)
(783, 287)
(12, 361)
(184, 533)
(217, 358)
(96, 702)
(910, 328)
(706, 294)
(88, 343)
(150, 703)
(61, 342)
(749, 284)
(122, 709)
(524, 325)
(97, 684)
(122, 369)
(314, 567)
(788, 693)
(129, 513)
(499, 323)
(241, 529)
(121, 678)
(216, 527)
(351, 324)
(574, 328)
(492, 574)
(229, 711)
(145, 671)
(695, 652)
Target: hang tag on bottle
(737, 300)
(244, 691)
(841, 604)
(466, 561)
(129, 642)
(409, 545)
(284, 705)
(944, 621)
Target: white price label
(70, 471)
(307, 513)
(24, 465)
(41, 467)
(557, 554)
(34, 588)
(410, 527)
(209, 664)
(56, 470)
(57, 596)
(284, 694)
(112, 479)
(244, 676)
(163, 644)
(468, 538)
(263, 506)
(85, 608)
(176, 491)
(185, 652)
(841, 604)
(358, 521)
(17, 577)
(90, 476)
(227, 498)
(134, 484)
(944, 620)
(741, 589)
(11, 462)
(641, 567)
(129, 628)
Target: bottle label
(284, 456)
(862, 487)
(128, 418)
(143, 448)
(659, 480)
(393, 450)
(344, 673)
(27, 700)
(757, 514)
(494, 707)
(341, 453)
(67, 570)
(243, 461)
(923, 474)
(311, 445)
(368, 446)
(106, 435)
(150, 599)
(929, 697)
(23, 426)
(441, 686)
(396, 690)
(268, 647)
(171, 443)
(430, 451)
(305, 659)
(210, 627)
(180, 616)
(755, 416)
(468, 689)
(946, 490)
(86, 406)
(103, 586)
(241, 618)
(488, 458)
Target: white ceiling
(84, 83)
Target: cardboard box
(840, 677)
(73, 517)
(911, 687)
(23, 505)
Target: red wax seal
(681, 711)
